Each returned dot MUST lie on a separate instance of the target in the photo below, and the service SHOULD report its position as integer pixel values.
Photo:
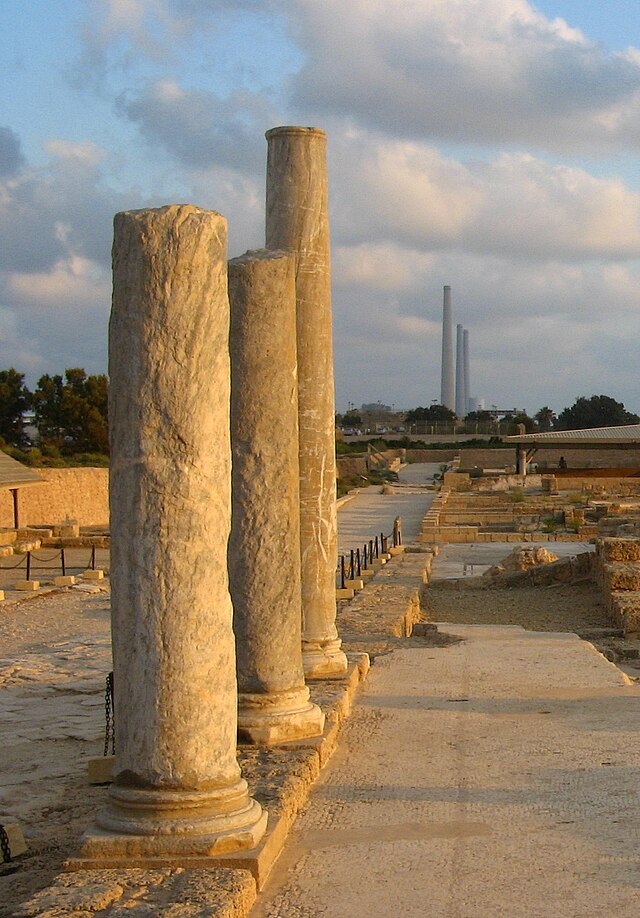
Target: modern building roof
(627, 435)
(15, 475)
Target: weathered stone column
(264, 549)
(177, 788)
(298, 221)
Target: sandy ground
(56, 652)
(574, 607)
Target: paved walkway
(369, 513)
(494, 777)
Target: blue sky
(487, 144)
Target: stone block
(617, 549)
(6, 551)
(1, 595)
(17, 843)
(93, 575)
(356, 584)
(31, 533)
(8, 537)
(345, 594)
(624, 609)
(100, 769)
(396, 550)
(23, 547)
(66, 580)
(26, 585)
(620, 576)
(424, 629)
(68, 530)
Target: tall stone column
(298, 221)
(177, 788)
(264, 549)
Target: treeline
(594, 411)
(69, 414)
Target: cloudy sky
(492, 145)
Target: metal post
(28, 565)
(93, 557)
(16, 508)
(64, 569)
(358, 561)
(352, 566)
(342, 572)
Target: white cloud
(198, 128)
(479, 71)
(409, 194)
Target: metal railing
(351, 566)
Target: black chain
(110, 729)
(5, 847)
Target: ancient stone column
(298, 221)
(177, 788)
(264, 549)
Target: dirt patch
(562, 607)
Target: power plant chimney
(447, 396)
(460, 412)
(467, 377)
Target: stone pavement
(493, 777)
(369, 512)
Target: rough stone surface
(612, 549)
(297, 221)
(264, 549)
(135, 893)
(177, 784)
(522, 559)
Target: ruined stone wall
(351, 465)
(549, 458)
(81, 494)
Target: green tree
(480, 416)
(524, 418)
(596, 411)
(15, 398)
(71, 414)
(429, 415)
(545, 418)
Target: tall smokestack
(447, 396)
(467, 377)
(460, 412)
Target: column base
(140, 822)
(278, 717)
(323, 658)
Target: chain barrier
(31, 556)
(110, 725)
(361, 559)
(5, 846)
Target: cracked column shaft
(298, 221)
